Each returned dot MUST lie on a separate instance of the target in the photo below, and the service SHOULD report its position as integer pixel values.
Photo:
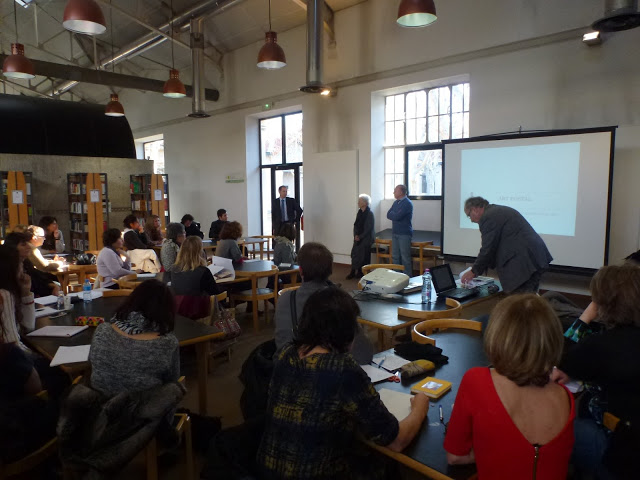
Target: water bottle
(426, 286)
(86, 291)
(60, 303)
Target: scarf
(134, 324)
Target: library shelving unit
(150, 196)
(15, 202)
(89, 216)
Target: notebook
(445, 285)
(432, 387)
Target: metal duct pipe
(618, 15)
(151, 40)
(314, 47)
(197, 64)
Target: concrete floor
(225, 387)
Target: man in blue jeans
(400, 215)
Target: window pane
(411, 105)
(421, 130)
(433, 129)
(421, 103)
(456, 125)
(466, 97)
(388, 186)
(389, 133)
(425, 172)
(266, 201)
(399, 181)
(399, 137)
(457, 92)
(293, 129)
(433, 102)
(399, 100)
(411, 131)
(155, 151)
(444, 127)
(271, 141)
(389, 160)
(466, 125)
(445, 99)
(399, 164)
(388, 109)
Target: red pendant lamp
(84, 16)
(271, 55)
(114, 107)
(173, 88)
(17, 65)
(416, 13)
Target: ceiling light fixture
(84, 16)
(173, 88)
(114, 108)
(416, 13)
(271, 55)
(17, 65)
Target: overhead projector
(383, 280)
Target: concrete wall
(49, 189)
(524, 60)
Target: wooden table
(209, 246)
(382, 314)
(80, 270)
(426, 453)
(188, 332)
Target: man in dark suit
(284, 210)
(509, 244)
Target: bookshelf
(15, 202)
(88, 212)
(150, 196)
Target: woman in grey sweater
(171, 245)
(227, 246)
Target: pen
(381, 362)
(441, 415)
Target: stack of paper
(71, 355)
(375, 374)
(48, 300)
(390, 361)
(398, 403)
(94, 294)
(222, 269)
(57, 331)
(46, 312)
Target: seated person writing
(320, 401)
(191, 227)
(53, 241)
(316, 264)
(113, 262)
(227, 246)
(191, 281)
(216, 227)
(604, 351)
(511, 419)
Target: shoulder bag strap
(294, 313)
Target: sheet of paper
(94, 294)
(58, 331)
(48, 300)
(147, 275)
(391, 361)
(46, 311)
(398, 403)
(375, 374)
(17, 197)
(94, 196)
(70, 355)
(157, 195)
(215, 268)
(574, 386)
(226, 264)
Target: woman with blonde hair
(510, 418)
(191, 281)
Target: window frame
(413, 148)
(164, 169)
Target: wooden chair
(268, 248)
(33, 459)
(422, 330)
(256, 294)
(453, 311)
(426, 253)
(127, 281)
(383, 250)
(288, 289)
(391, 266)
(183, 428)
(123, 292)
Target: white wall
(524, 70)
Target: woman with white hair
(363, 235)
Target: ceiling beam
(101, 77)
(327, 16)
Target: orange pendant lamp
(114, 107)
(84, 16)
(416, 13)
(271, 55)
(17, 65)
(173, 88)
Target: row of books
(81, 188)
(78, 207)
(79, 226)
(5, 187)
(79, 245)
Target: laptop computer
(445, 285)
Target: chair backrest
(123, 292)
(383, 249)
(421, 331)
(453, 311)
(391, 266)
(127, 281)
(288, 289)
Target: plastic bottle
(426, 286)
(86, 291)
(60, 302)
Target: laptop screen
(442, 278)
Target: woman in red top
(511, 420)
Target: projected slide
(540, 181)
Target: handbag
(224, 319)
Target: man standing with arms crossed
(400, 214)
(509, 244)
